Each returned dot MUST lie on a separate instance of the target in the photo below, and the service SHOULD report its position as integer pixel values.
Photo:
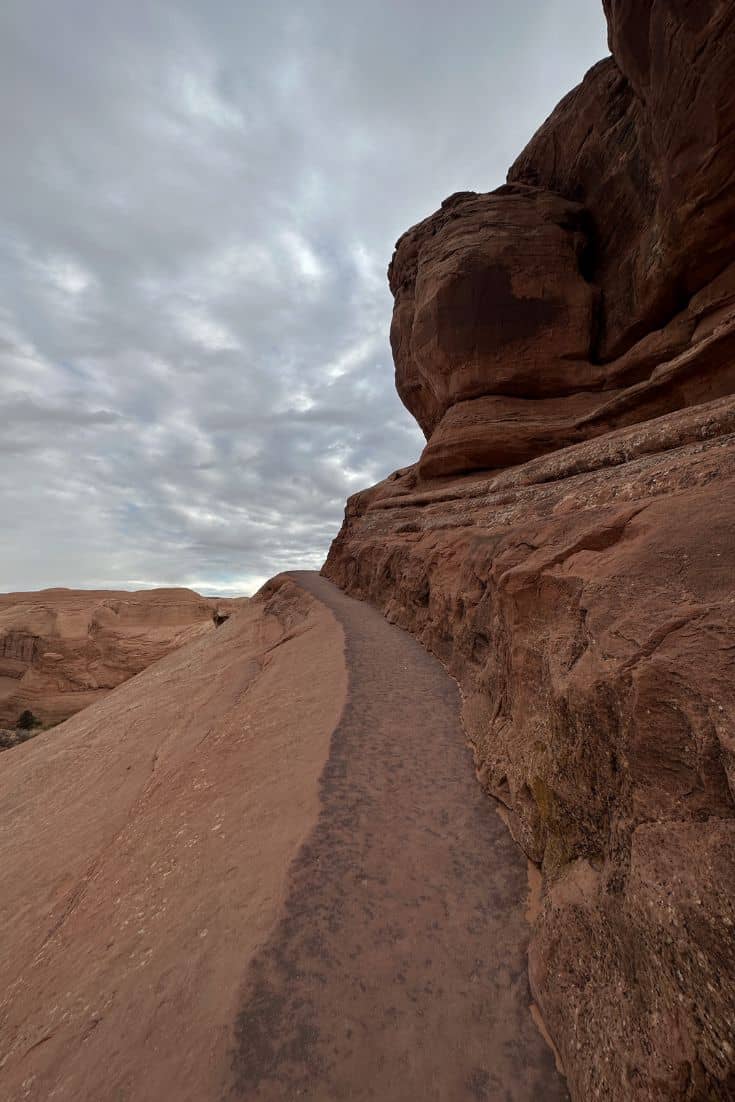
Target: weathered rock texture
(647, 143)
(566, 543)
(62, 649)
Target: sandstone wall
(566, 542)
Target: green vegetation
(27, 721)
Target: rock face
(495, 325)
(566, 542)
(647, 144)
(62, 649)
(489, 298)
(608, 255)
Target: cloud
(199, 205)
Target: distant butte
(63, 649)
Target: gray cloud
(199, 203)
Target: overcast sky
(199, 202)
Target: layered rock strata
(63, 649)
(566, 542)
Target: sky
(199, 203)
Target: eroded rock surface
(494, 332)
(598, 274)
(586, 606)
(647, 144)
(489, 298)
(566, 543)
(62, 649)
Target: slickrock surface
(62, 649)
(398, 968)
(144, 852)
(264, 868)
(566, 542)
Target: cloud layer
(199, 204)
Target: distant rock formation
(62, 649)
(566, 542)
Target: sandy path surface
(398, 969)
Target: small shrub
(27, 721)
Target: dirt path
(398, 970)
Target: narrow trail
(398, 969)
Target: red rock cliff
(63, 649)
(566, 542)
